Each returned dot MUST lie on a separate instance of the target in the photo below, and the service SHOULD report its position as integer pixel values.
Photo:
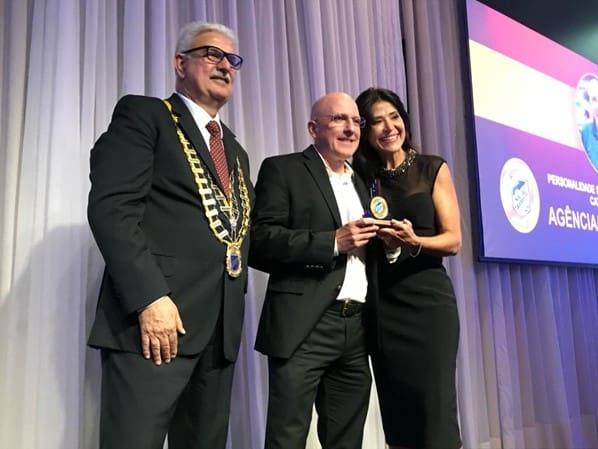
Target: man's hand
(355, 234)
(159, 323)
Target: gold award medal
(234, 266)
(379, 208)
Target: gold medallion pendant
(234, 265)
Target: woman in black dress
(413, 316)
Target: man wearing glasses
(309, 233)
(169, 208)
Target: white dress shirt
(355, 283)
(201, 118)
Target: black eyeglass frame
(217, 55)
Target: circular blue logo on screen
(519, 195)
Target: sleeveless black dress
(414, 324)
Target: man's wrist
(151, 303)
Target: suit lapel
(362, 190)
(316, 167)
(230, 147)
(192, 133)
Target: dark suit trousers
(331, 369)
(188, 398)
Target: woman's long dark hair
(366, 161)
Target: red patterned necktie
(218, 156)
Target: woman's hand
(399, 233)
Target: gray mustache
(221, 75)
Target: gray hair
(192, 29)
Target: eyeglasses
(338, 120)
(215, 55)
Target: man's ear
(179, 62)
(311, 128)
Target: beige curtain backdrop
(528, 355)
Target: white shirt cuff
(392, 255)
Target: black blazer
(146, 216)
(293, 232)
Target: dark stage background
(572, 23)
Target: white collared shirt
(355, 283)
(201, 118)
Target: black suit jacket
(293, 232)
(148, 221)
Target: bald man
(309, 235)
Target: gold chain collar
(210, 203)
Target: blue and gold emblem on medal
(379, 208)
(234, 266)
